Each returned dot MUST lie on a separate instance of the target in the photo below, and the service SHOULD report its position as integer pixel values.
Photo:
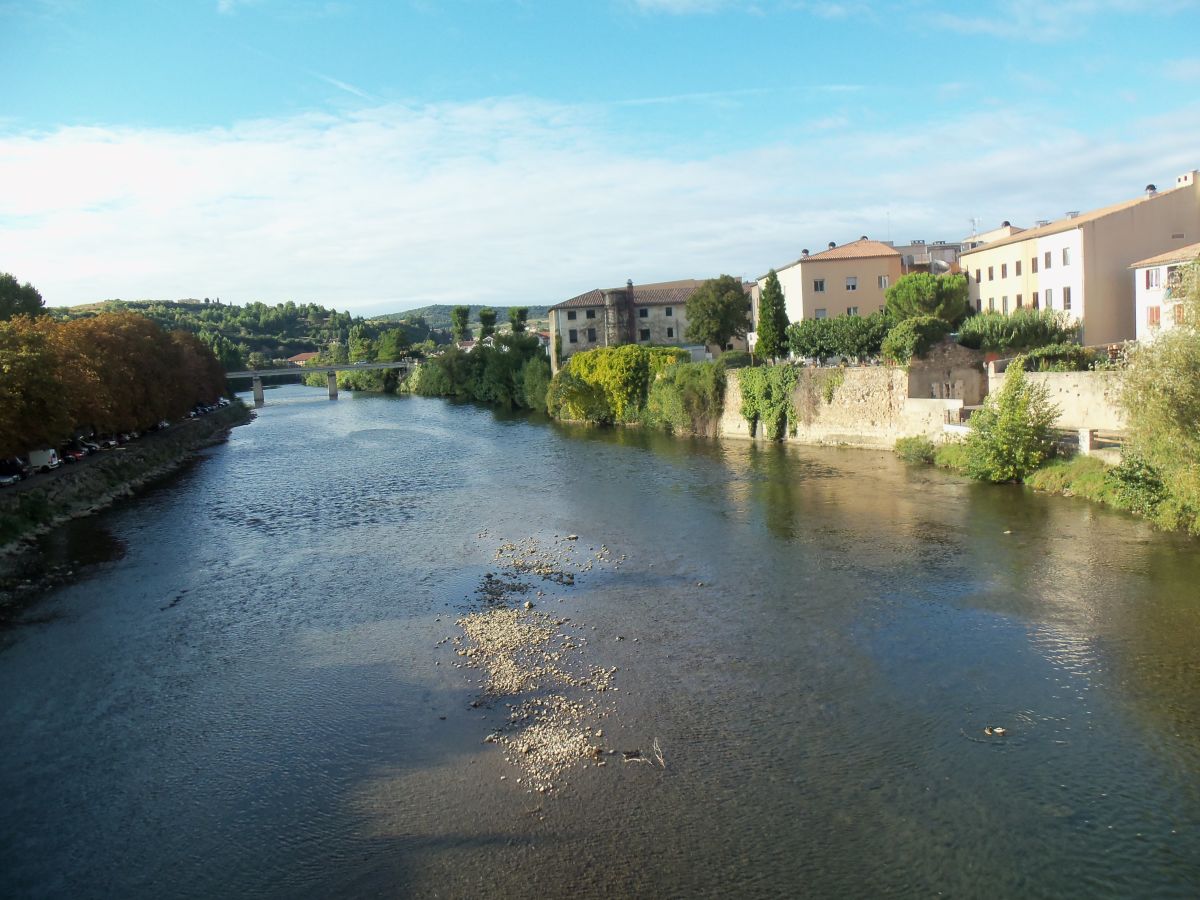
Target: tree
(18, 299)
(517, 316)
(921, 294)
(718, 311)
(487, 322)
(460, 326)
(1010, 436)
(772, 320)
(392, 345)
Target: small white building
(1154, 281)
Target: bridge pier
(331, 379)
(259, 399)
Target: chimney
(1151, 190)
(804, 253)
(1042, 223)
(832, 244)
(1006, 224)
(863, 238)
(1071, 214)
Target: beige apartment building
(609, 317)
(1080, 263)
(846, 280)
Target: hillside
(437, 316)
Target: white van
(43, 460)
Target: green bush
(1022, 329)
(767, 399)
(856, 337)
(687, 398)
(916, 449)
(535, 380)
(736, 359)
(570, 397)
(1011, 435)
(913, 338)
(622, 375)
(1136, 485)
(952, 455)
(1059, 358)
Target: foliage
(1011, 435)
(494, 375)
(1161, 399)
(1060, 358)
(517, 317)
(772, 327)
(687, 397)
(1137, 486)
(833, 380)
(913, 338)
(108, 373)
(923, 295)
(767, 399)
(952, 455)
(487, 322)
(1022, 329)
(718, 311)
(535, 381)
(459, 318)
(854, 337)
(736, 359)
(623, 375)
(18, 299)
(570, 397)
(916, 449)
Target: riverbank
(35, 507)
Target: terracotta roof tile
(663, 293)
(1181, 255)
(863, 248)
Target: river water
(243, 692)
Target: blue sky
(378, 156)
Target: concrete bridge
(256, 375)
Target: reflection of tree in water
(777, 489)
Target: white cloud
(1041, 21)
(514, 200)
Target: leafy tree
(772, 320)
(1022, 329)
(921, 294)
(392, 345)
(813, 338)
(460, 326)
(18, 299)
(913, 337)
(718, 311)
(1011, 435)
(518, 316)
(487, 322)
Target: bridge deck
(344, 367)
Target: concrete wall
(1085, 399)
(870, 407)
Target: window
(573, 336)
(592, 335)
(1004, 304)
(644, 334)
(591, 314)
(991, 304)
(1003, 270)
(978, 305)
(571, 314)
(1066, 256)
(851, 283)
(1066, 298)
(977, 278)
(1153, 278)
(883, 281)
(991, 273)
(852, 310)
(1049, 299)
(818, 285)
(667, 312)
(670, 332)
(1047, 260)
(644, 313)
(1017, 264)
(1035, 300)
(1178, 313)
(820, 313)
(1018, 301)
(1153, 316)
(1033, 264)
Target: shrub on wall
(570, 397)
(1023, 329)
(1011, 435)
(622, 375)
(1060, 358)
(913, 338)
(767, 399)
(736, 359)
(687, 397)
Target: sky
(380, 156)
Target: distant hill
(438, 315)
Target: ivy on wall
(767, 399)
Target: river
(245, 689)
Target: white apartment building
(1154, 281)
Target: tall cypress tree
(772, 320)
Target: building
(609, 317)
(301, 359)
(936, 257)
(1154, 282)
(846, 280)
(1080, 263)
(1006, 230)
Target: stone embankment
(36, 506)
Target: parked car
(15, 466)
(6, 480)
(44, 460)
